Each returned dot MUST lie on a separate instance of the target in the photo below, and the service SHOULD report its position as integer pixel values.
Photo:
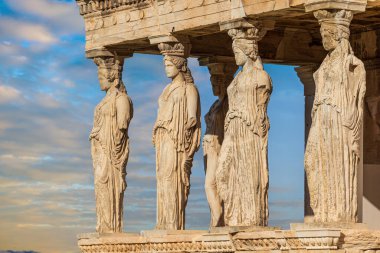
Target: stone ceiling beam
(108, 53)
(352, 5)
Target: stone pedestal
(265, 240)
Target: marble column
(242, 172)
(371, 146)
(222, 70)
(110, 142)
(176, 133)
(333, 152)
(366, 45)
(305, 74)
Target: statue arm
(123, 112)
(354, 117)
(192, 106)
(264, 89)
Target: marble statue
(110, 145)
(333, 148)
(221, 76)
(242, 173)
(176, 137)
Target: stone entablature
(257, 240)
(128, 24)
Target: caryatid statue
(176, 137)
(333, 148)
(242, 173)
(221, 76)
(110, 145)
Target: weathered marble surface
(242, 173)
(176, 137)
(110, 145)
(333, 149)
(221, 76)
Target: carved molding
(258, 241)
(305, 240)
(160, 247)
(92, 6)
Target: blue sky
(48, 91)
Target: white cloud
(42, 8)
(34, 225)
(68, 83)
(8, 94)
(63, 15)
(12, 53)
(21, 30)
(7, 156)
(47, 101)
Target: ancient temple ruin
(337, 41)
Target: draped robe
(110, 151)
(242, 173)
(175, 147)
(332, 152)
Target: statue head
(218, 85)
(171, 69)
(174, 65)
(335, 27)
(110, 72)
(175, 60)
(222, 75)
(244, 50)
(245, 43)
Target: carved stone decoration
(110, 145)
(176, 137)
(314, 240)
(242, 173)
(88, 7)
(221, 76)
(333, 149)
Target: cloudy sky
(48, 91)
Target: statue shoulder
(263, 76)
(123, 101)
(357, 62)
(123, 98)
(192, 89)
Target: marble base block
(334, 225)
(269, 240)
